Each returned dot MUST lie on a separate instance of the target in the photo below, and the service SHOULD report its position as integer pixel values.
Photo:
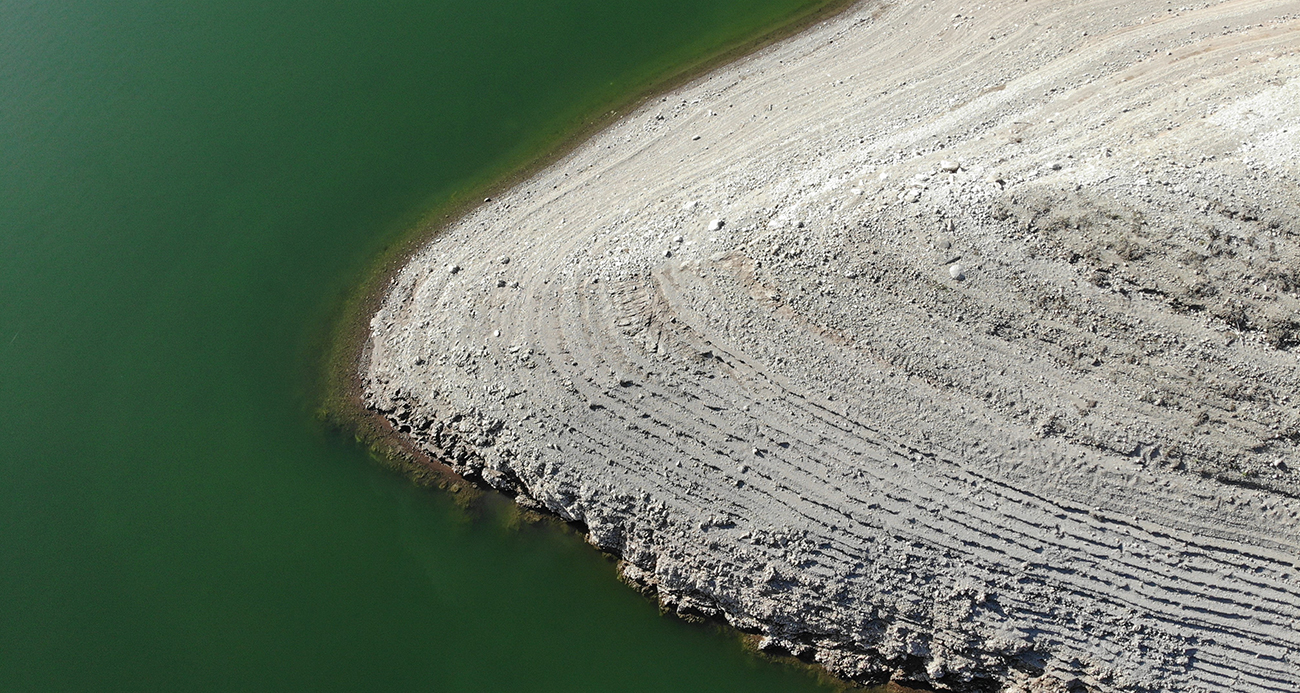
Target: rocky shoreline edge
(942, 342)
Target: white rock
(715, 224)
(956, 271)
(912, 195)
(949, 165)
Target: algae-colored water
(186, 190)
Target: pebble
(715, 224)
(956, 271)
(668, 253)
(505, 259)
(950, 166)
(453, 268)
(912, 195)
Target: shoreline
(339, 387)
(925, 346)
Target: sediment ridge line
(943, 342)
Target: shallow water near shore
(186, 190)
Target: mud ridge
(944, 342)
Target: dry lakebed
(947, 342)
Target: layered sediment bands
(943, 342)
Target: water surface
(186, 189)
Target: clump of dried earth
(951, 341)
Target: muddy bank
(941, 342)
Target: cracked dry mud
(945, 342)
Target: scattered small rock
(950, 166)
(716, 224)
(956, 271)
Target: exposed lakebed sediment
(943, 341)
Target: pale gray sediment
(990, 371)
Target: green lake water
(186, 191)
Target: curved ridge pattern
(941, 342)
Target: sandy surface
(945, 341)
